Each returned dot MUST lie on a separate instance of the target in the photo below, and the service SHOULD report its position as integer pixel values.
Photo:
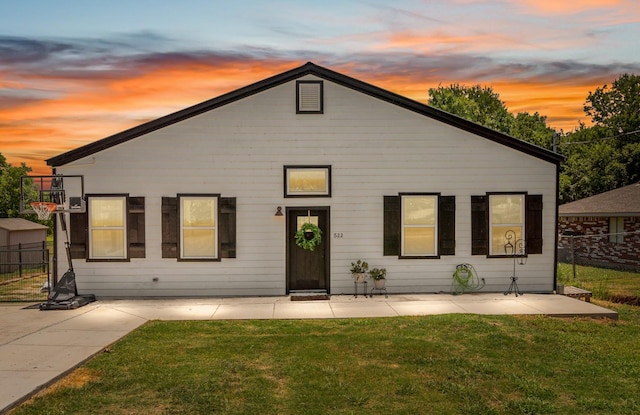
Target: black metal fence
(25, 272)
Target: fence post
(573, 256)
(20, 259)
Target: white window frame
(93, 211)
(403, 226)
(521, 225)
(288, 192)
(616, 230)
(216, 200)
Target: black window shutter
(135, 227)
(533, 231)
(479, 225)
(227, 231)
(447, 225)
(391, 225)
(169, 227)
(78, 225)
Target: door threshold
(308, 295)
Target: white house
(206, 201)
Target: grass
(606, 284)
(446, 364)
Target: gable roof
(624, 201)
(323, 73)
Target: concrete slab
(303, 310)
(362, 309)
(423, 308)
(244, 311)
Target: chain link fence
(608, 264)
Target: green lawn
(606, 284)
(444, 364)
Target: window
(309, 99)
(198, 227)
(616, 230)
(210, 231)
(493, 215)
(99, 242)
(107, 227)
(307, 181)
(506, 213)
(419, 230)
(419, 225)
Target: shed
(15, 234)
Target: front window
(198, 227)
(311, 181)
(107, 227)
(506, 213)
(419, 220)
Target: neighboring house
(20, 234)
(606, 229)
(206, 201)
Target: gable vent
(309, 97)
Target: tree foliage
(600, 157)
(476, 103)
(606, 155)
(10, 188)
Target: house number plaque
(338, 235)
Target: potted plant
(379, 276)
(359, 270)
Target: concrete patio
(38, 347)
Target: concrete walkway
(38, 347)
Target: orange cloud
(568, 7)
(36, 130)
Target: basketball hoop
(44, 209)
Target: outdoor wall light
(279, 211)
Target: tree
(592, 166)
(616, 109)
(10, 188)
(534, 129)
(474, 103)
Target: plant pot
(379, 284)
(359, 277)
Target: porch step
(309, 295)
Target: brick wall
(592, 243)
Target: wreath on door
(308, 236)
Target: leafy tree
(533, 128)
(10, 188)
(474, 103)
(592, 165)
(616, 109)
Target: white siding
(374, 149)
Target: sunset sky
(73, 72)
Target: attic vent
(309, 97)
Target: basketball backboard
(66, 191)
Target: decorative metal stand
(515, 248)
(379, 290)
(355, 288)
